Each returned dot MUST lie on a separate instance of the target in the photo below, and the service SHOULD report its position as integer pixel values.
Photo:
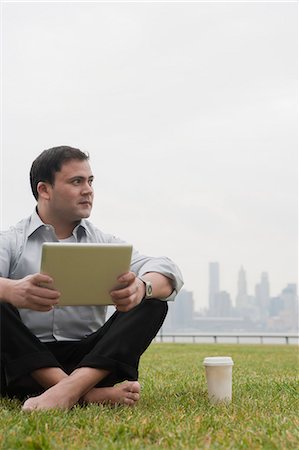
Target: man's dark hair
(49, 162)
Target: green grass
(174, 411)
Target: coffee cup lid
(218, 361)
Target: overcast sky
(189, 113)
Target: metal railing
(287, 338)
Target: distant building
(246, 305)
(242, 296)
(262, 295)
(289, 297)
(222, 304)
(180, 312)
(214, 286)
(284, 311)
(289, 313)
(276, 306)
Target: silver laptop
(85, 273)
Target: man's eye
(76, 181)
(90, 182)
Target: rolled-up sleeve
(142, 264)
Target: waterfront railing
(262, 338)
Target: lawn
(174, 411)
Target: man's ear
(43, 190)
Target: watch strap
(148, 288)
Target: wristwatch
(148, 288)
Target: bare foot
(127, 393)
(60, 396)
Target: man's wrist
(141, 288)
(148, 288)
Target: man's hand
(28, 293)
(129, 296)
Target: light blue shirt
(20, 255)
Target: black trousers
(116, 347)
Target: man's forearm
(162, 285)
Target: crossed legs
(100, 361)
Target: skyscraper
(242, 296)
(214, 285)
(262, 294)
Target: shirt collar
(82, 227)
(36, 223)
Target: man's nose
(87, 188)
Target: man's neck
(63, 229)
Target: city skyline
(248, 313)
(241, 284)
(250, 287)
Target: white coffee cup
(219, 378)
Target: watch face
(149, 290)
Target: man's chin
(84, 214)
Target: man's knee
(160, 307)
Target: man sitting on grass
(61, 356)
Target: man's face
(71, 196)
